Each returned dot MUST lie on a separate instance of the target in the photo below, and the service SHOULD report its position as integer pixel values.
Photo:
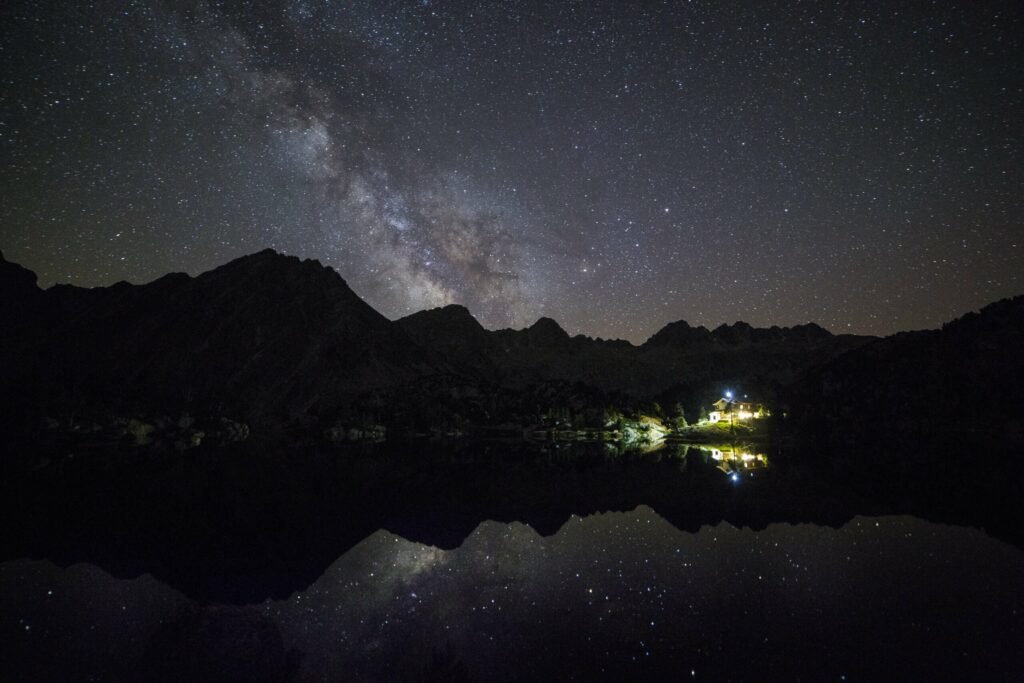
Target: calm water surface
(667, 581)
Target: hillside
(679, 362)
(275, 341)
(965, 379)
(264, 337)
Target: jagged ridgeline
(280, 343)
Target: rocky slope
(263, 337)
(273, 340)
(965, 379)
(679, 359)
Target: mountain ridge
(264, 333)
(277, 340)
(268, 255)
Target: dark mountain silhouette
(965, 379)
(268, 338)
(281, 342)
(276, 341)
(677, 356)
(264, 335)
(453, 332)
(680, 335)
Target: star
(454, 153)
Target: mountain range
(275, 341)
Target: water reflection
(732, 460)
(614, 596)
(240, 525)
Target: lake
(510, 561)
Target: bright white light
(734, 476)
(728, 394)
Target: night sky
(614, 165)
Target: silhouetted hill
(16, 280)
(679, 335)
(692, 361)
(452, 332)
(965, 379)
(19, 293)
(264, 336)
(275, 341)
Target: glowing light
(728, 394)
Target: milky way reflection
(615, 594)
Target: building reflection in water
(734, 459)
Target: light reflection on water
(733, 460)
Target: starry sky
(613, 165)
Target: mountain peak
(678, 333)
(737, 333)
(268, 256)
(280, 269)
(16, 279)
(544, 332)
(548, 327)
(810, 331)
(454, 311)
(450, 318)
(681, 334)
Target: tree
(703, 414)
(679, 416)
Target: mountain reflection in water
(613, 595)
(490, 562)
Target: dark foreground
(513, 562)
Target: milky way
(612, 165)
